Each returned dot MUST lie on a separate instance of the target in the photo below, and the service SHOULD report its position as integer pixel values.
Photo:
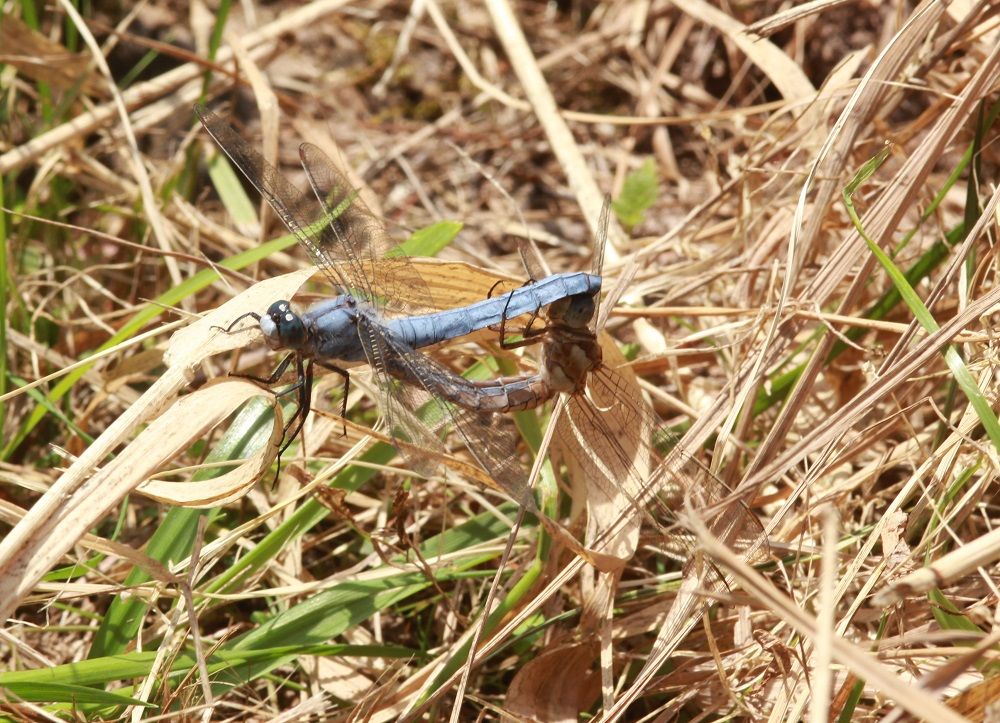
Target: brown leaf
(557, 685)
(38, 58)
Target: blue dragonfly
(369, 321)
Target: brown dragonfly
(605, 437)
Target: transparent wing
(381, 277)
(490, 438)
(597, 262)
(351, 246)
(609, 439)
(340, 233)
(300, 211)
(409, 419)
(412, 389)
(376, 270)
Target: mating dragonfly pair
(369, 322)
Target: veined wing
(378, 277)
(488, 436)
(592, 436)
(299, 210)
(490, 440)
(350, 244)
(616, 468)
(377, 270)
(606, 439)
(342, 236)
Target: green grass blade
(38, 692)
(916, 305)
(639, 193)
(110, 669)
(151, 311)
(428, 241)
(175, 536)
(231, 192)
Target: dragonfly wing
(613, 467)
(493, 443)
(609, 439)
(376, 269)
(489, 437)
(403, 407)
(597, 262)
(300, 211)
(694, 486)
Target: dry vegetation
(847, 396)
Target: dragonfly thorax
(570, 355)
(282, 327)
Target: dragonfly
(368, 320)
(608, 437)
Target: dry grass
(850, 405)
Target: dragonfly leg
(528, 334)
(303, 389)
(489, 294)
(501, 328)
(228, 329)
(279, 371)
(346, 376)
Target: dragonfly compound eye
(282, 327)
(574, 311)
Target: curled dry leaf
(202, 339)
(86, 491)
(187, 421)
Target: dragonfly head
(282, 327)
(573, 311)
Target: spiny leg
(346, 376)
(229, 329)
(303, 389)
(279, 371)
(527, 332)
(529, 335)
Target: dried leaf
(39, 58)
(557, 685)
(187, 421)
